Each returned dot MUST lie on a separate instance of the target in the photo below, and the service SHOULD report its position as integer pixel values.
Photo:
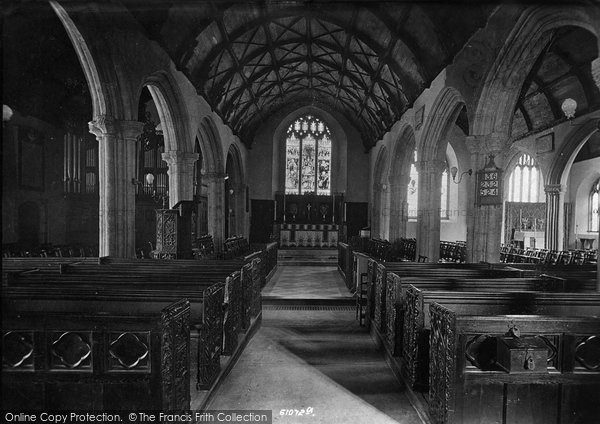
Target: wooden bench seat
(415, 337)
(467, 386)
(101, 358)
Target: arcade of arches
(264, 115)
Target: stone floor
(306, 282)
(314, 357)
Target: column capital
(131, 129)
(215, 176)
(181, 158)
(433, 166)
(105, 125)
(102, 126)
(492, 143)
(553, 189)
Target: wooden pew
(415, 338)
(396, 287)
(148, 285)
(102, 358)
(449, 270)
(468, 386)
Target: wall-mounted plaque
(489, 184)
(545, 143)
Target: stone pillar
(236, 203)
(428, 221)
(116, 169)
(484, 222)
(380, 220)
(216, 203)
(554, 216)
(398, 207)
(376, 211)
(181, 175)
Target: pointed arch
(210, 143)
(506, 76)
(560, 167)
(399, 178)
(444, 112)
(380, 209)
(167, 97)
(100, 99)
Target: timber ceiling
(366, 60)
(563, 70)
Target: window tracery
(308, 157)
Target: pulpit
(174, 232)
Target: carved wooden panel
(166, 231)
(587, 352)
(175, 358)
(412, 334)
(442, 365)
(17, 350)
(129, 351)
(211, 336)
(379, 305)
(393, 320)
(70, 350)
(233, 314)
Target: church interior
(302, 211)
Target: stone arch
(167, 97)
(507, 74)
(103, 76)
(399, 176)
(210, 143)
(381, 196)
(234, 192)
(560, 167)
(444, 112)
(432, 159)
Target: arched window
(412, 196)
(445, 201)
(594, 206)
(523, 184)
(308, 157)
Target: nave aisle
(314, 356)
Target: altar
(308, 220)
(308, 235)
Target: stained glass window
(308, 157)
(524, 181)
(594, 206)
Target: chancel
(301, 211)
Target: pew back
(101, 358)
(467, 386)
